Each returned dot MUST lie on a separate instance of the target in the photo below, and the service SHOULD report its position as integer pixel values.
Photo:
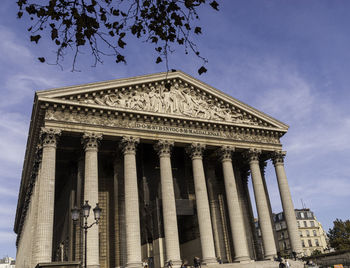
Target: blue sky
(289, 59)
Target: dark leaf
(214, 5)
(35, 38)
(121, 43)
(154, 39)
(19, 14)
(202, 70)
(120, 58)
(115, 12)
(103, 17)
(41, 59)
(198, 30)
(54, 34)
(158, 60)
(180, 41)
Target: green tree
(102, 26)
(339, 235)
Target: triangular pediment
(175, 95)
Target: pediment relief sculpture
(178, 100)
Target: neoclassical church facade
(167, 158)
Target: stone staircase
(257, 264)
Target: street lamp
(85, 210)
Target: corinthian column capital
(91, 140)
(128, 144)
(278, 157)
(253, 154)
(163, 147)
(49, 136)
(195, 150)
(225, 153)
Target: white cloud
(13, 135)
(15, 52)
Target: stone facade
(167, 158)
(311, 234)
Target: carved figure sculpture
(178, 99)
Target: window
(317, 243)
(278, 226)
(282, 235)
(303, 243)
(309, 242)
(302, 215)
(314, 231)
(280, 216)
(312, 223)
(305, 224)
(284, 245)
(309, 214)
(300, 233)
(307, 233)
(283, 225)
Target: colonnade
(128, 145)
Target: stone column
(218, 230)
(132, 215)
(91, 142)
(287, 203)
(168, 200)
(239, 236)
(46, 198)
(261, 205)
(203, 212)
(35, 195)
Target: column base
(176, 264)
(134, 265)
(209, 261)
(270, 257)
(243, 259)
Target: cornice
(29, 161)
(71, 106)
(139, 81)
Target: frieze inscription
(111, 121)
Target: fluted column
(46, 199)
(132, 215)
(261, 205)
(205, 228)
(239, 236)
(168, 201)
(36, 192)
(218, 231)
(91, 142)
(287, 203)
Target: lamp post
(85, 210)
